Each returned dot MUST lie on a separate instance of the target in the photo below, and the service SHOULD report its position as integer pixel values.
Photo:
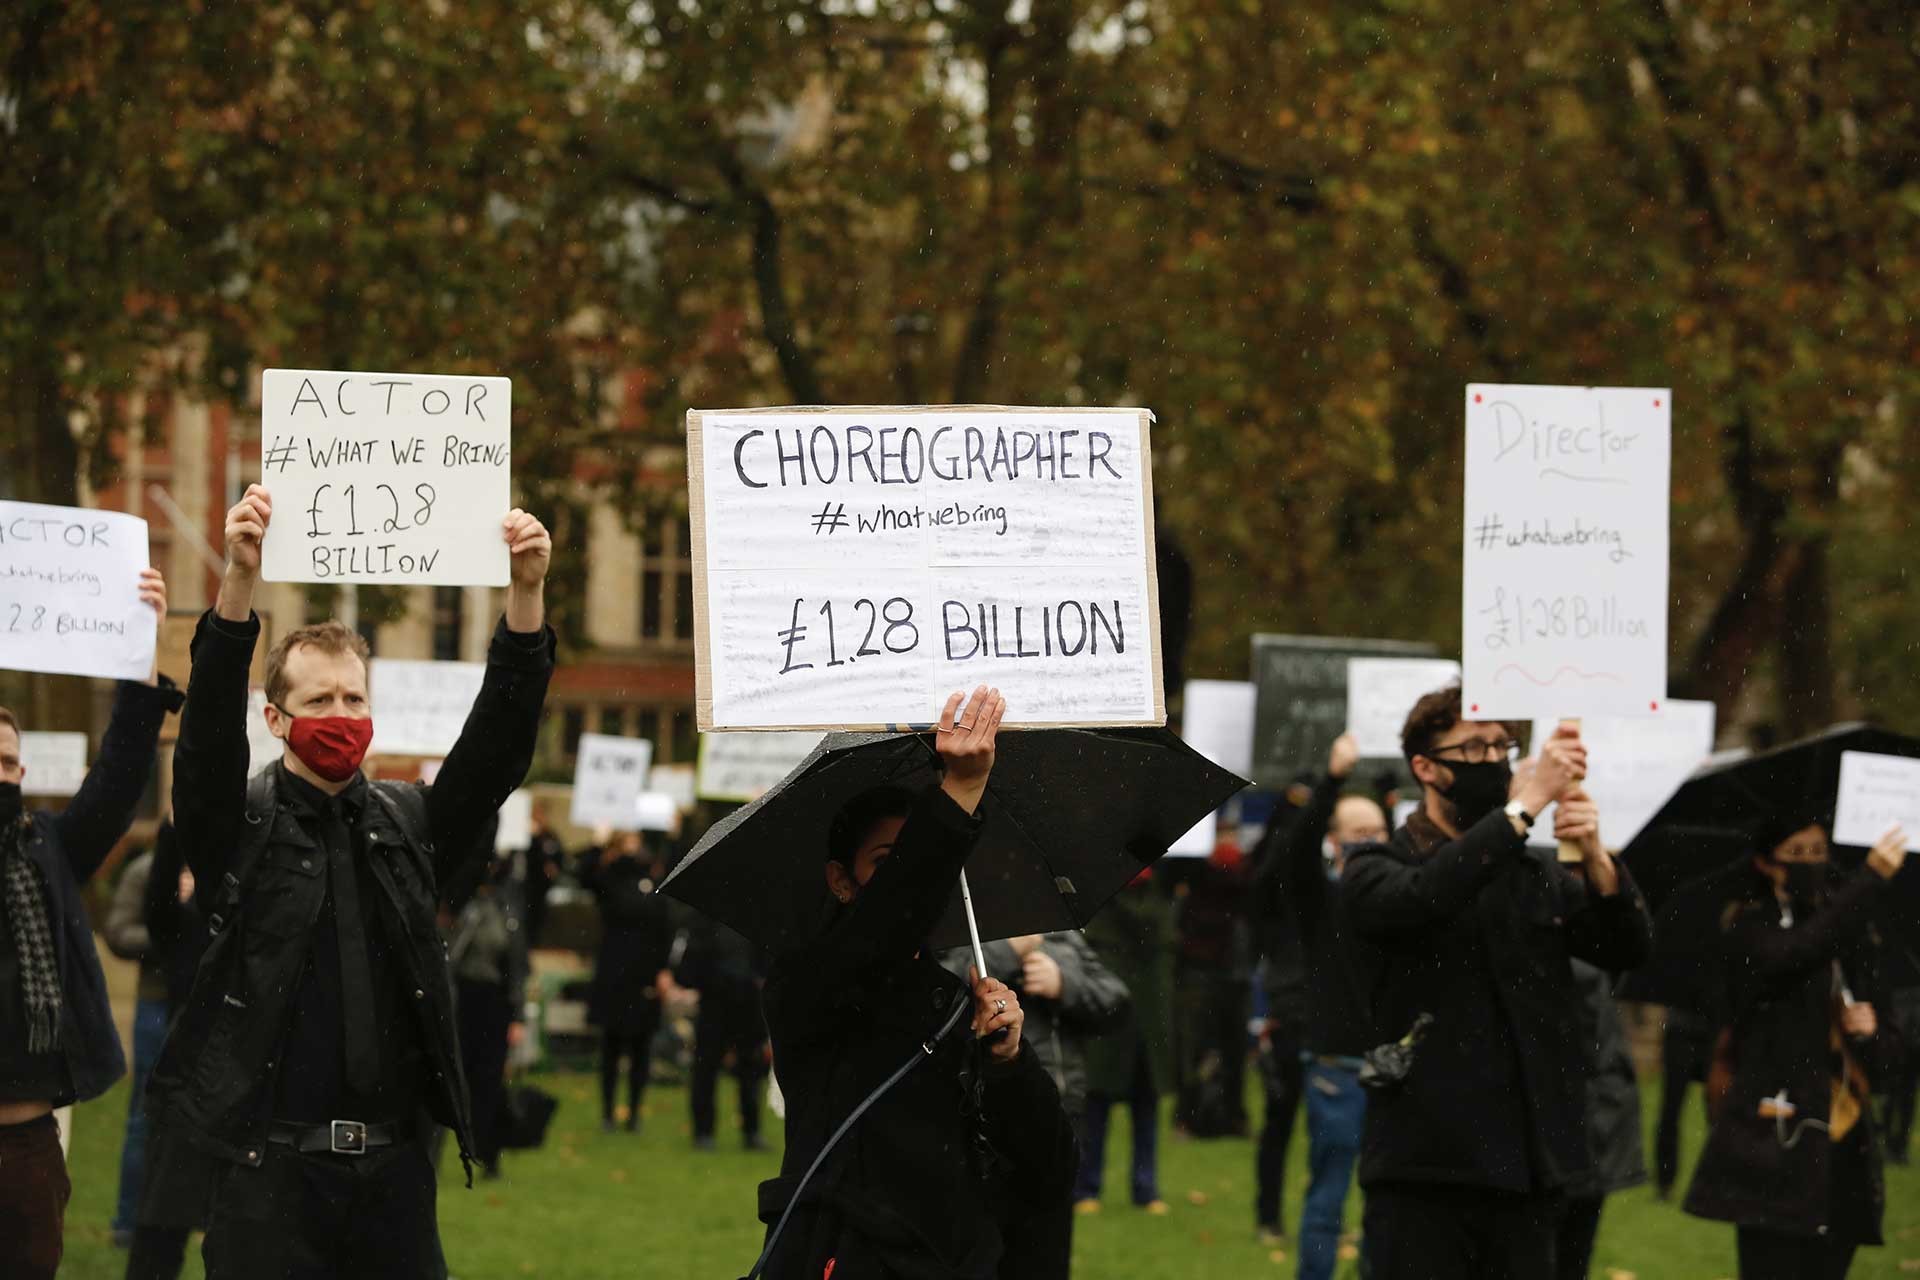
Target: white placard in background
(609, 773)
(1199, 840)
(1877, 793)
(262, 747)
(1380, 693)
(675, 780)
(1564, 574)
(741, 766)
(855, 566)
(70, 592)
(420, 707)
(56, 763)
(1634, 765)
(515, 831)
(1216, 719)
(655, 811)
(386, 477)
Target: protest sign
(1564, 605)
(1301, 699)
(654, 811)
(675, 780)
(1199, 840)
(1634, 765)
(420, 707)
(70, 592)
(1380, 692)
(1876, 794)
(1216, 719)
(515, 831)
(741, 766)
(262, 747)
(56, 763)
(854, 566)
(609, 773)
(386, 477)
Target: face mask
(1805, 880)
(10, 802)
(1478, 789)
(331, 746)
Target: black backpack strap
(256, 829)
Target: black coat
(1478, 932)
(1614, 1141)
(260, 877)
(919, 1186)
(1780, 990)
(636, 943)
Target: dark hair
(329, 637)
(1432, 716)
(857, 818)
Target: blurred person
(58, 1043)
(487, 952)
(546, 860)
(1468, 1152)
(1213, 991)
(1616, 1151)
(1901, 1069)
(1300, 873)
(1792, 1160)
(125, 933)
(728, 972)
(632, 973)
(320, 1029)
(922, 1183)
(1686, 1051)
(1069, 996)
(1131, 1065)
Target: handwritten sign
(69, 592)
(386, 477)
(1634, 765)
(654, 811)
(421, 707)
(515, 831)
(1216, 719)
(678, 781)
(1301, 699)
(609, 774)
(855, 566)
(742, 766)
(1380, 693)
(1564, 609)
(1876, 794)
(56, 763)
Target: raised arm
(1776, 955)
(1386, 897)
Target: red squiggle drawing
(1554, 679)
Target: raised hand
(1561, 764)
(1890, 854)
(965, 741)
(530, 548)
(1345, 756)
(247, 523)
(153, 594)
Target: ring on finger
(999, 1006)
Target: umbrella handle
(973, 926)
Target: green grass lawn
(597, 1207)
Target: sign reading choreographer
(854, 566)
(386, 477)
(1564, 609)
(70, 592)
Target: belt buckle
(348, 1138)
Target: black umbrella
(1070, 816)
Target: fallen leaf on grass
(1196, 1197)
(618, 1175)
(1277, 1256)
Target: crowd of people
(333, 977)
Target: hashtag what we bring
(889, 518)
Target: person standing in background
(488, 955)
(546, 859)
(1614, 1141)
(125, 934)
(1213, 993)
(632, 976)
(729, 973)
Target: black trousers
(1434, 1232)
(1579, 1228)
(1283, 1076)
(1686, 1051)
(1773, 1255)
(1039, 1246)
(33, 1198)
(482, 1018)
(729, 1022)
(326, 1217)
(158, 1253)
(633, 1042)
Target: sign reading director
(853, 566)
(386, 477)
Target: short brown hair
(1431, 717)
(328, 637)
(7, 719)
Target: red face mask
(331, 746)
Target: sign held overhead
(70, 592)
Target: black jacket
(67, 848)
(1478, 932)
(1780, 990)
(918, 1187)
(176, 930)
(636, 941)
(1614, 1141)
(261, 880)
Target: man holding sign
(320, 1027)
(57, 1039)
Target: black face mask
(10, 802)
(1478, 789)
(1806, 882)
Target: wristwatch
(1522, 820)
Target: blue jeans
(1144, 1105)
(149, 1033)
(1336, 1113)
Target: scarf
(26, 907)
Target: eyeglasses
(1475, 751)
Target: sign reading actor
(854, 566)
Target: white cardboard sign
(386, 477)
(742, 766)
(1380, 692)
(1634, 765)
(1876, 794)
(853, 567)
(654, 811)
(515, 831)
(1199, 840)
(56, 763)
(421, 707)
(609, 775)
(1564, 605)
(1216, 719)
(69, 592)
(678, 781)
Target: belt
(339, 1137)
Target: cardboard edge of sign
(697, 521)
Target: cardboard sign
(654, 811)
(1216, 720)
(1564, 607)
(419, 708)
(70, 592)
(1877, 793)
(515, 831)
(1380, 693)
(854, 566)
(609, 774)
(742, 766)
(1301, 699)
(56, 763)
(1634, 765)
(677, 781)
(386, 477)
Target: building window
(573, 723)
(449, 621)
(613, 721)
(666, 582)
